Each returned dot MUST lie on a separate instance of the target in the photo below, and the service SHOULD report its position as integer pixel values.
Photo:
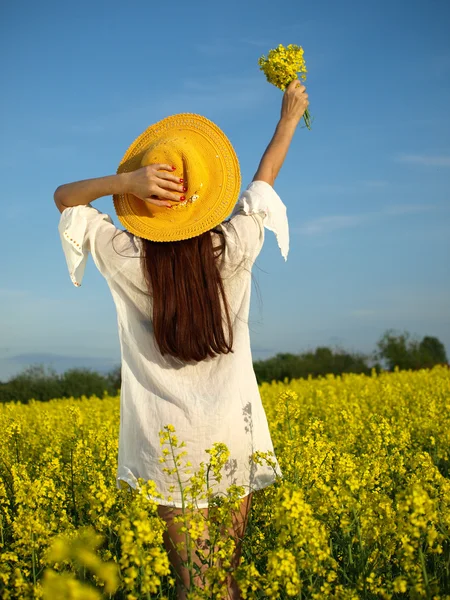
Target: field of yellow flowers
(363, 510)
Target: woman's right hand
(295, 101)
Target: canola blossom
(282, 65)
(362, 512)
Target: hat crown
(188, 162)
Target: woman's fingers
(157, 202)
(162, 193)
(171, 185)
(169, 177)
(162, 166)
(164, 184)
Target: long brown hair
(186, 285)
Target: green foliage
(79, 382)
(114, 379)
(322, 361)
(35, 382)
(399, 350)
(432, 351)
(43, 384)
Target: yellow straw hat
(203, 157)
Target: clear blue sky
(367, 190)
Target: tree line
(392, 350)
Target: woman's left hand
(152, 184)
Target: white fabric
(261, 198)
(215, 400)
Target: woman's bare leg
(237, 531)
(172, 538)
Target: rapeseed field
(363, 509)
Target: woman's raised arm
(295, 102)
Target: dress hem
(164, 502)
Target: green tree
(319, 362)
(114, 379)
(83, 382)
(400, 350)
(44, 384)
(432, 351)
(36, 382)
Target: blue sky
(367, 190)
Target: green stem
(187, 536)
(288, 419)
(17, 449)
(424, 569)
(1, 530)
(307, 119)
(33, 559)
(73, 487)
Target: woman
(182, 308)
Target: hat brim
(153, 222)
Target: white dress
(215, 400)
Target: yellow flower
(365, 483)
(282, 65)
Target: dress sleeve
(85, 229)
(259, 207)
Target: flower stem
(307, 119)
(183, 508)
(33, 558)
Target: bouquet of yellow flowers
(281, 67)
